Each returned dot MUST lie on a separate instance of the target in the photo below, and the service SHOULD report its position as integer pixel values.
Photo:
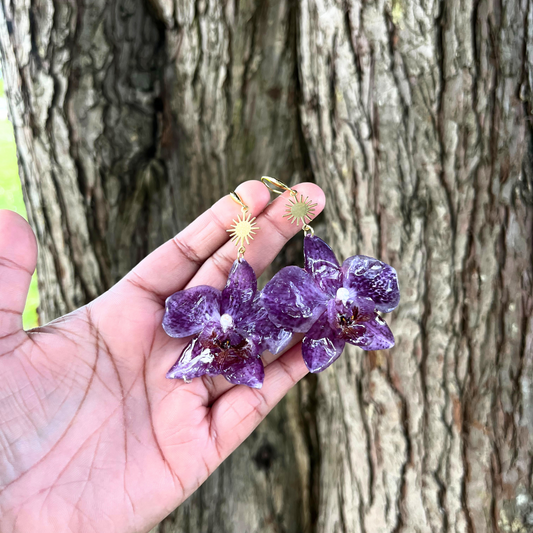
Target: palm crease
(93, 437)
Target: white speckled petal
(293, 300)
(186, 312)
(195, 361)
(322, 345)
(239, 292)
(373, 279)
(372, 334)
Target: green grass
(11, 198)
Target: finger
(18, 257)
(169, 268)
(274, 232)
(238, 412)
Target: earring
(330, 303)
(230, 328)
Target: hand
(93, 437)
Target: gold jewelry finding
(236, 198)
(298, 209)
(244, 228)
(275, 185)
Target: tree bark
(132, 116)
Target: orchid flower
(231, 329)
(333, 304)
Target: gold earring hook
(235, 197)
(298, 209)
(274, 185)
(244, 228)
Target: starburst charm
(300, 210)
(243, 229)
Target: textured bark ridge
(414, 116)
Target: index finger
(168, 268)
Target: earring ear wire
(236, 198)
(298, 209)
(277, 186)
(244, 228)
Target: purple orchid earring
(330, 303)
(231, 327)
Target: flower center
(349, 318)
(226, 321)
(343, 295)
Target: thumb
(18, 257)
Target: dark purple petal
(293, 300)
(354, 311)
(221, 351)
(186, 312)
(321, 263)
(274, 338)
(373, 334)
(264, 332)
(228, 340)
(240, 290)
(372, 279)
(322, 345)
(249, 372)
(195, 361)
(231, 349)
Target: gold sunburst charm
(243, 229)
(299, 209)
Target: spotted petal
(372, 334)
(195, 361)
(186, 312)
(264, 332)
(321, 263)
(249, 372)
(293, 300)
(355, 309)
(240, 290)
(321, 346)
(373, 279)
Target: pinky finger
(239, 411)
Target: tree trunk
(131, 117)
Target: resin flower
(231, 329)
(333, 304)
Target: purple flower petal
(354, 311)
(321, 263)
(372, 279)
(322, 345)
(186, 312)
(195, 361)
(263, 331)
(249, 372)
(218, 351)
(372, 334)
(225, 341)
(293, 300)
(240, 290)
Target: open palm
(93, 437)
